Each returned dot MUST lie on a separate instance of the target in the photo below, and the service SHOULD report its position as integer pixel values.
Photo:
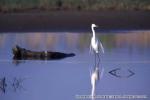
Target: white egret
(46, 53)
(95, 46)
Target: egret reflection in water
(96, 75)
(94, 79)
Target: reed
(20, 5)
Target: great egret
(45, 53)
(95, 46)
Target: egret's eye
(120, 73)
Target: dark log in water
(23, 54)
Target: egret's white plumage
(96, 45)
(45, 53)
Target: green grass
(12, 5)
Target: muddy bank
(73, 21)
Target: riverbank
(73, 21)
(79, 5)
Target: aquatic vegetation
(21, 5)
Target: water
(69, 78)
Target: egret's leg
(98, 56)
(95, 58)
(90, 49)
(98, 72)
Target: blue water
(65, 79)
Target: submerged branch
(24, 54)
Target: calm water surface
(65, 79)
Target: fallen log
(24, 54)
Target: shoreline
(74, 21)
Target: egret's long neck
(93, 31)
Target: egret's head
(93, 25)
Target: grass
(19, 5)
